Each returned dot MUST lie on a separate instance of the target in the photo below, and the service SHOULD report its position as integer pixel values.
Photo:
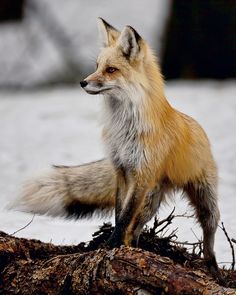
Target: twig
(230, 243)
(185, 215)
(187, 243)
(200, 243)
(167, 219)
(24, 226)
(233, 240)
(199, 240)
(171, 235)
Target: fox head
(124, 64)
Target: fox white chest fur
(122, 127)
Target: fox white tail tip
(73, 192)
(40, 197)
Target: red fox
(152, 149)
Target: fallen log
(34, 267)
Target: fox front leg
(121, 192)
(130, 207)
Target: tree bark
(199, 40)
(33, 267)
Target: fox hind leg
(203, 198)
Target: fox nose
(83, 83)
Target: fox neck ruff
(131, 114)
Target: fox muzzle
(94, 87)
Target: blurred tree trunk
(200, 40)
(33, 267)
(11, 10)
(61, 39)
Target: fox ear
(108, 33)
(129, 42)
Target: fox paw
(215, 272)
(113, 242)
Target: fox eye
(110, 70)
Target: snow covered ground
(61, 126)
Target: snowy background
(55, 34)
(61, 125)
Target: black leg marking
(133, 203)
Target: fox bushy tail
(77, 191)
